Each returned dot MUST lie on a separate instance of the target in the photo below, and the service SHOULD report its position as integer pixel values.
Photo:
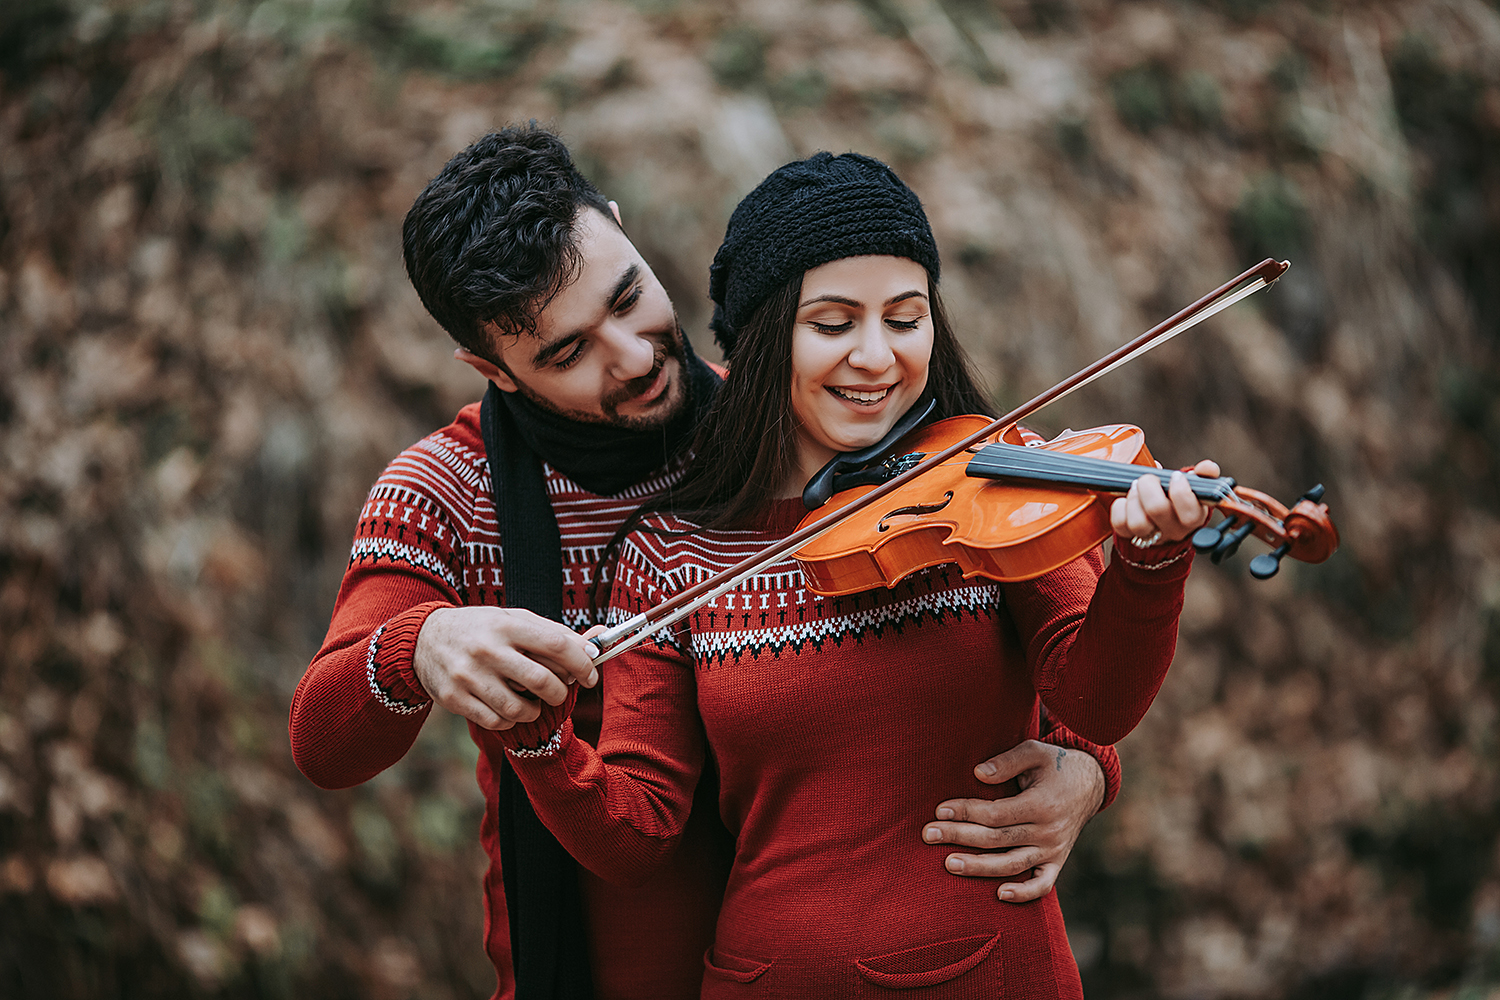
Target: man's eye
(571, 359)
(629, 300)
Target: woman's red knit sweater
(836, 725)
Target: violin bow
(634, 630)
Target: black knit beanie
(808, 213)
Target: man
(594, 396)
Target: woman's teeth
(859, 395)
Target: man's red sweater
(835, 723)
(427, 538)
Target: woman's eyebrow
(913, 294)
(841, 300)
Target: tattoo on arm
(1061, 753)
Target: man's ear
(488, 369)
(615, 211)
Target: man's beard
(670, 346)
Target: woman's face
(860, 348)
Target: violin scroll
(1305, 532)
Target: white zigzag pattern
(401, 552)
(721, 644)
(453, 456)
(399, 707)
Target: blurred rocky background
(208, 350)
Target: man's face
(607, 348)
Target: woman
(826, 303)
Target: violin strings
(1030, 463)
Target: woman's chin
(858, 439)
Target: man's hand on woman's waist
(1030, 833)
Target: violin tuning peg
(1266, 565)
(1230, 543)
(1207, 538)
(1315, 494)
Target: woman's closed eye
(904, 323)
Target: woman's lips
(861, 397)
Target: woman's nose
(872, 352)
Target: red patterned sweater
(836, 723)
(427, 538)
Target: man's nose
(632, 354)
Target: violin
(948, 495)
(967, 510)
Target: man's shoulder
(461, 439)
(447, 464)
(463, 430)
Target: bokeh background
(208, 351)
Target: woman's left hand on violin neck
(1157, 516)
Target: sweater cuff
(545, 735)
(1106, 757)
(1167, 562)
(391, 663)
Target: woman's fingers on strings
(1117, 516)
(1149, 511)
(1138, 503)
(1190, 514)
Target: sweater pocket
(725, 966)
(928, 964)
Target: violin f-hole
(916, 508)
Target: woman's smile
(861, 397)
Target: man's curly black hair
(491, 237)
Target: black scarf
(547, 929)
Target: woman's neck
(811, 456)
